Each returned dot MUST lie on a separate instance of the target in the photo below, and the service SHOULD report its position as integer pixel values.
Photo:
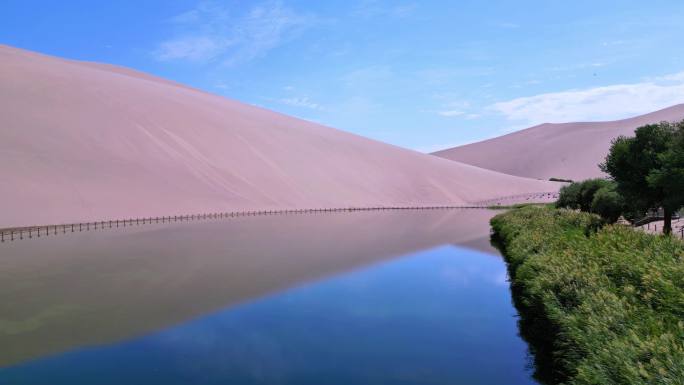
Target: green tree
(608, 204)
(647, 169)
(580, 195)
(588, 189)
(569, 196)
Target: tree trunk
(667, 228)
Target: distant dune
(84, 141)
(567, 150)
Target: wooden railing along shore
(29, 232)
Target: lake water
(399, 297)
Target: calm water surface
(351, 298)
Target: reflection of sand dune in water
(64, 292)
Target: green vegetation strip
(599, 305)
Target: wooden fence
(520, 198)
(21, 233)
(656, 228)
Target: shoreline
(598, 303)
(22, 232)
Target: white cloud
(368, 77)
(452, 108)
(212, 32)
(450, 113)
(302, 102)
(375, 8)
(598, 103)
(580, 66)
(192, 48)
(678, 77)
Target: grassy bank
(599, 305)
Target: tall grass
(598, 305)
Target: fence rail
(30, 232)
(657, 228)
(519, 198)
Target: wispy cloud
(302, 102)
(678, 77)
(507, 25)
(579, 66)
(192, 48)
(368, 77)
(598, 103)
(450, 113)
(213, 32)
(452, 109)
(375, 8)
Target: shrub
(580, 195)
(608, 204)
(602, 305)
(588, 188)
(569, 196)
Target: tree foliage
(608, 204)
(569, 196)
(597, 196)
(649, 168)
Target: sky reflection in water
(437, 316)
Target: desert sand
(567, 150)
(656, 227)
(85, 141)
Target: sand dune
(567, 150)
(84, 141)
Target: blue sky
(419, 74)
